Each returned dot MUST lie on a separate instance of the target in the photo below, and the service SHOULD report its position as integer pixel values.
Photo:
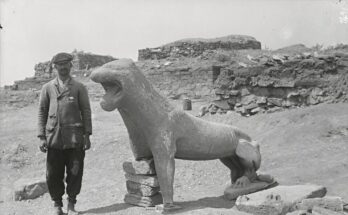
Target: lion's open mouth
(112, 88)
(112, 96)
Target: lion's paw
(241, 182)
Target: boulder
(29, 188)
(278, 200)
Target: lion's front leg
(163, 152)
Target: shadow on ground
(187, 206)
(206, 202)
(107, 209)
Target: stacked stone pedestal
(142, 184)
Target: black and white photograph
(188, 107)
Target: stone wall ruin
(196, 47)
(83, 63)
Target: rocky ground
(299, 146)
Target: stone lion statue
(157, 130)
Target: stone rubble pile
(142, 184)
(281, 82)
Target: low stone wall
(34, 83)
(83, 64)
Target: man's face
(64, 68)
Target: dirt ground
(305, 145)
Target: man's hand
(43, 144)
(87, 142)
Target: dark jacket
(64, 117)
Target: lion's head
(115, 77)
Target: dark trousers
(59, 161)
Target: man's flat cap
(62, 58)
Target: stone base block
(143, 201)
(145, 167)
(278, 200)
(151, 181)
(29, 188)
(140, 189)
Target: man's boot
(71, 209)
(57, 210)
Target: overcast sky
(34, 30)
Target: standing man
(64, 127)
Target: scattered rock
(278, 200)
(329, 202)
(213, 109)
(323, 211)
(222, 104)
(256, 110)
(278, 59)
(241, 110)
(167, 63)
(275, 101)
(29, 188)
(245, 92)
(251, 106)
(248, 99)
(243, 65)
(306, 54)
(261, 100)
(274, 109)
(299, 212)
(234, 92)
